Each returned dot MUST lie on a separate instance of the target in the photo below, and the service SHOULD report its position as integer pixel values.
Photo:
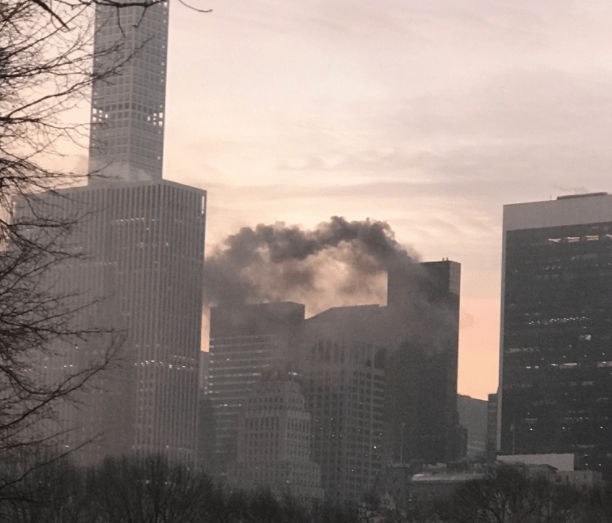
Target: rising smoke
(348, 259)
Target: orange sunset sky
(428, 115)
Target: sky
(428, 115)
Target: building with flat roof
(138, 270)
(343, 380)
(555, 392)
(421, 367)
(246, 341)
(274, 441)
(139, 245)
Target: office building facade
(274, 441)
(555, 392)
(422, 365)
(246, 341)
(138, 273)
(129, 92)
(345, 394)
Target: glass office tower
(556, 344)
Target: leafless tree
(45, 69)
(509, 494)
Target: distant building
(439, 486)
(380, 382)
(274, 441)
(473, 416)
(559, 468)
(492, 415)
(139, 245)
(206, 419)
(245, 342)
(128, 109)
(344, 386)
(565, 462)
(402, 486)
(556, 353)
(421, 373)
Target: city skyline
(428, 117)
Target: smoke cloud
(341, 261)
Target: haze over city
(429, 117)
(277, 261)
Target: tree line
(508, 494)
(152, 490)
(148, 490)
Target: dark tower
(421, 370)
(556, 352)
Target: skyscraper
(555, 390)
(343, 380)
(381, 382)
(423, 421)
(141, 245)
(142, 264)
(274, 441)
(246, 341)
(128, 105)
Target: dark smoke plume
(279, 262)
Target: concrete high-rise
(343, 380)
(142, 247)
(246, 341)
(140, 241)
(128, 105)
(421, 368)
(381, 382)
(555, 392)
(274, 441)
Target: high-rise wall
(492, 413)
(343, 380)
(128, 106)
(142, 247)
(421, 370)
(473, 417)
(245, 342)
(274, 441)
(556, 356)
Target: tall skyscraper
(343, 380)
(423, 422)
(141, 245)
(128, 105)
(555, 390)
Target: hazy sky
(429, 115)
